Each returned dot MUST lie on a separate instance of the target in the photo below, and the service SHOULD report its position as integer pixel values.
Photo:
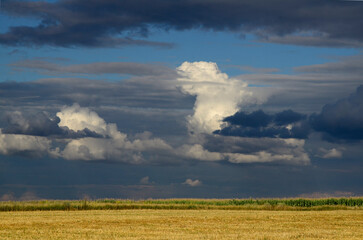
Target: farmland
(182, 224)
(183, 219)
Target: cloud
(341, 120)
(76, 118)
(7, 197)
(316, 40)
(217, 95)
(308, 88)
(145, 180)
(31, 146)
(246, 150)
(114, 23)
(149, 92)
(41, 124)
(331, 153)
(192, 183)
(130, 68)
(255, 69)
(197, 151)
(285, 124)
(114, 146)
(104, 141)
(347, 65)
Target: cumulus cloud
(192, 183)
(41, 124)
(105, 142)
(76, 118)
(33, 146)
(114, 146)
(217, 95)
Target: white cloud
(197, 151)
(192, 183)
(289, 151)
(217, 95)
(115, 146)
(77, 118)
(145, 180)
(29, 145)
(331, 153)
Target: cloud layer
(221, 130)
(112, 23)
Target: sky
(180, 99)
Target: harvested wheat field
(182, 224)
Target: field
(182, 224)
(183, 219)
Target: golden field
(182, 224)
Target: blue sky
(144, 100)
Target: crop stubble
(182, 224)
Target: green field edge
(185, 204)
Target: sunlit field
(182, 224)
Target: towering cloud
(217, 95)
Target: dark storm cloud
(255, 119)
(343, 119)
(338, 122)
(100, 23)
(285, 124)
(41, 124)
(130, 68)
(288, 117)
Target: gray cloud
(137, 69)
(317, 40)
(308, 88)
(348, 65)
(94, 23)
(142, 92)
(341, 120)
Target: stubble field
(182, 224)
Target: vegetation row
(243, 204)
